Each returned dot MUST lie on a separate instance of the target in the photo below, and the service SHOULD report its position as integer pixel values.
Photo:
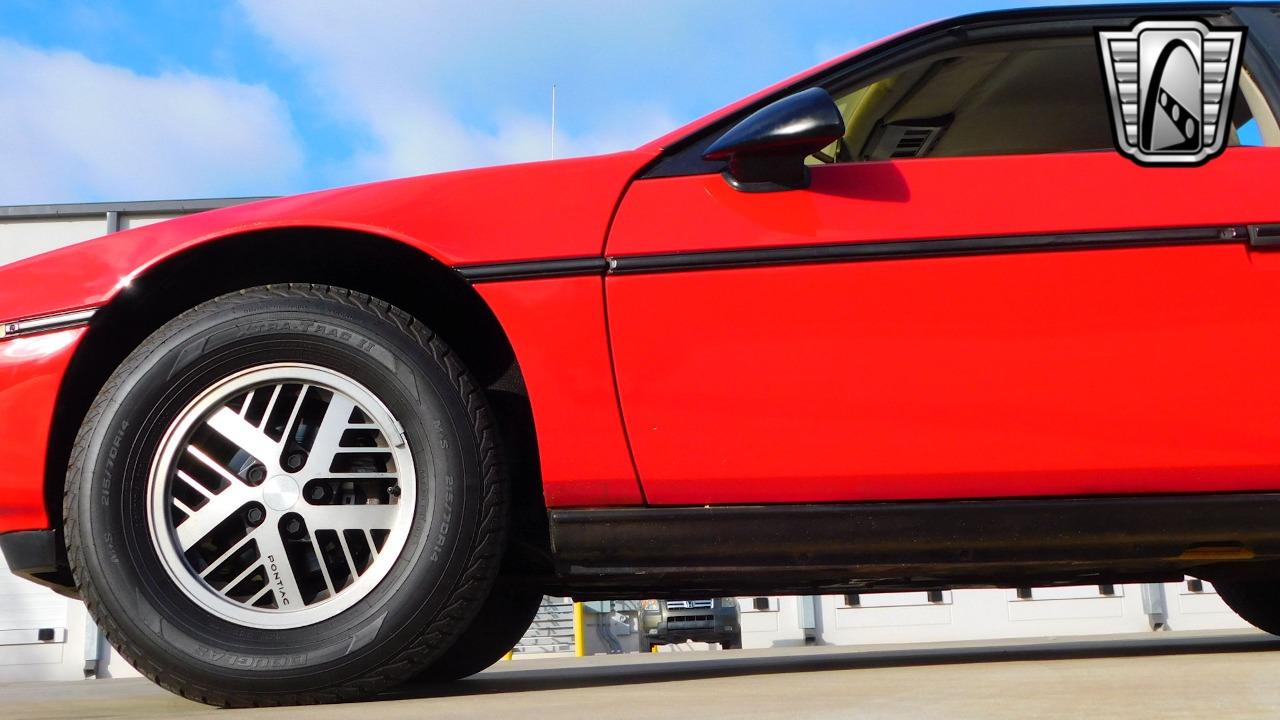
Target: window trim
(962, 55)
(684, 157)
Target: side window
(1252, 121)
(1014, 97)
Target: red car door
(1097, 328)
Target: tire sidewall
(182, 359)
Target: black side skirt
(663, 552)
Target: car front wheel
(290, 494)
(497, 628)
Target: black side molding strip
(852, 252)
(46, 323)
(901, 249)
(1264, 236)
(533, 269)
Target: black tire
(502, 621)
(1257, 602)
(435, 587)
(731, 643)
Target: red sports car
(906, 320)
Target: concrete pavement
(1166, 675)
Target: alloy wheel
(281, 496)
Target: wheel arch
(381, 266)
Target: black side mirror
(766, 151)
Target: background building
(982, 614)
(44, 636)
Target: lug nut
(255, 516)
(257, 474)
(318, 493)
(295, 461)
(293, 527)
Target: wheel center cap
(281, 493)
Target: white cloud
(437, 85)
(75, 130)
(424, 139)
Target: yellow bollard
(510, 652)
(579, 631)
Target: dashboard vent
(905, 139)
(912, 142)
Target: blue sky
(169, 98)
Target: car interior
(1011, 97)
